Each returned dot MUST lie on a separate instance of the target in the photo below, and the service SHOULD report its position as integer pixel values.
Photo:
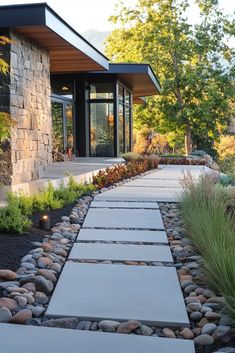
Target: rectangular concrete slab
(176, 172)
(149, 294)
(32, 339)
(145, 236)
(123, 218)
(115, 204)
(123, 193)
(154, 183)
(121, 252)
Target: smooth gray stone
(145, 236)
(121, 252)
(26, 339)
(122, 193)
(148, 294)
(123, 218)
(113, 204)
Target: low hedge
(119, 172)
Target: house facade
(62, 94)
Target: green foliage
(14, 217)
(210, 226)
(227, 166)
(199, 153)
(12, 220)
(72, 190)
(131, 156)
(225, 180)
(193, 62)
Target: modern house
(62, 93)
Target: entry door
(62, 125)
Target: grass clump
(206, 210)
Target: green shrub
(210, 225)
(12, 220)
(227, 166)
(199, 153)
(131, 156)
(225, 180)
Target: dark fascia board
(129, 68)
(132, 68)
(40, 14)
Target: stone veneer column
(30, 108)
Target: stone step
(121, 252)
(123, 218)
(149, 294)
(122, 193)
(145, 236)
(31, 339)
(133, 205)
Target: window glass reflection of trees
(58, 128)
(102, 129)
(69, 125)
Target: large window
(124, 101)
(101, 119)
(62, 87)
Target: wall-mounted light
(65, 88)
(44, 222)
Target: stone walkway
(120, 269)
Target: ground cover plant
(207, 209)
(15, 217)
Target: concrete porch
(82, 168)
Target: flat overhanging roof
(140, 78)
(69, 51)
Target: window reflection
(121, 128)
(101, 91)
(102, 129)
(58, 126)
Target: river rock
(22, 316)
(108, 325)
(8, 303)
(48, 274)
(7, 275)
(187, 333)
(209, 329)
(168, 333)
(61, 323)
(5, 315)
(204, 340)
(145, 330)
(129, 326)
(84, 325)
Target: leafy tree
(193, 63)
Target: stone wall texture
(30, 109)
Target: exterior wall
(30, 109)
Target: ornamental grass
(206, 210)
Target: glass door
(63, 126)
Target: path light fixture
(44, 222)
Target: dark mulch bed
(14, 246)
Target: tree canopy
(194, 64)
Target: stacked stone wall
(30, 109)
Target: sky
(83, 15)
